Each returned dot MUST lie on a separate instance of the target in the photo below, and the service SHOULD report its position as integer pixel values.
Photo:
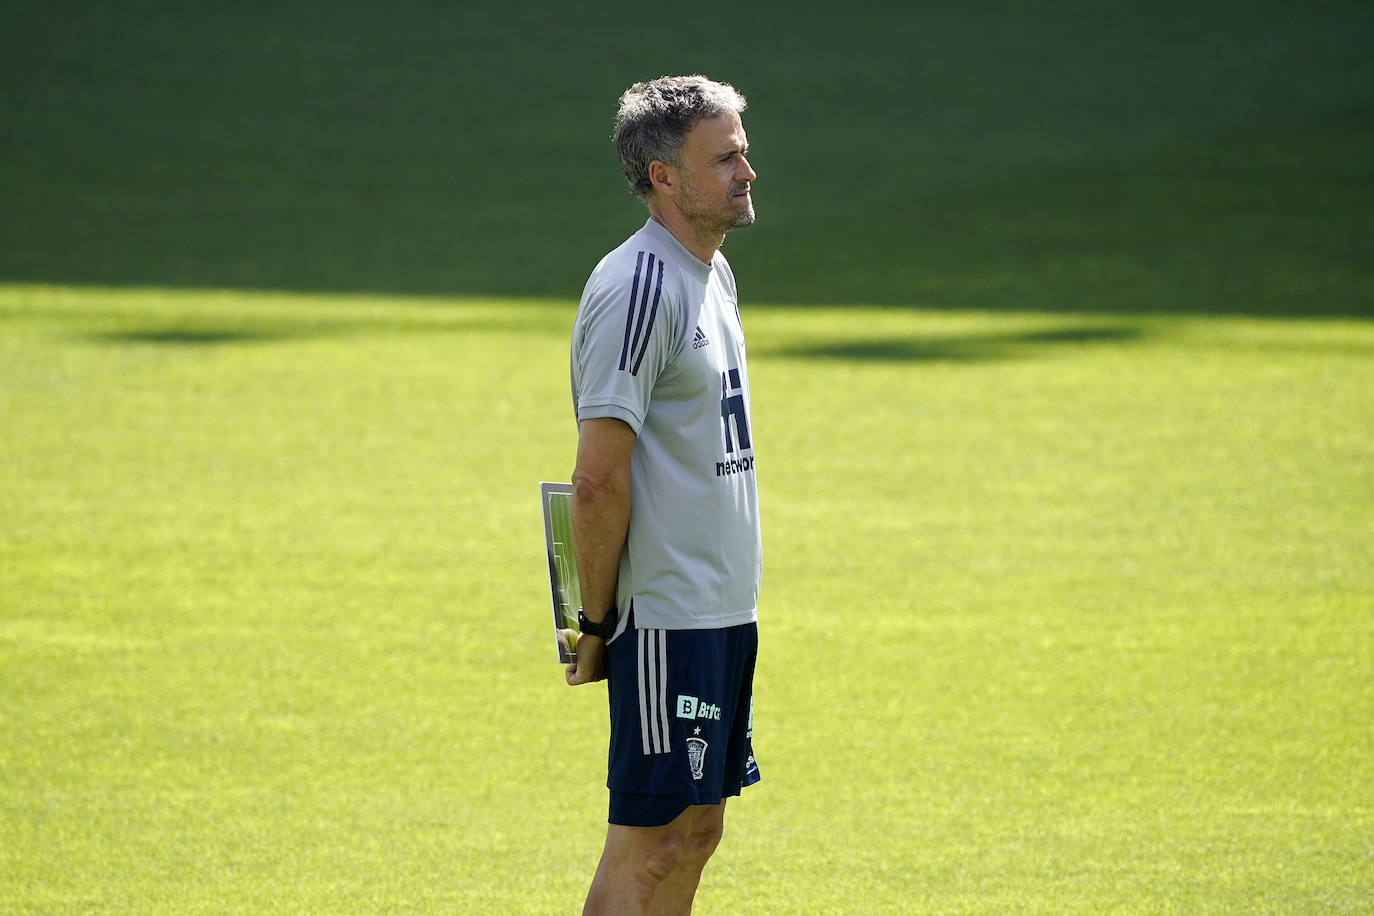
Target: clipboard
(565, 591)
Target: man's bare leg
(675, 893)
(655, 869)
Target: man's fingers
(588, 666)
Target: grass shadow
(961, 348)
(196, 337)
(190, 318)
(349, 147)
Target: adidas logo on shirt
(700, 340)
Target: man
(664, 506)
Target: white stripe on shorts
(653, 689)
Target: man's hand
(590, 664)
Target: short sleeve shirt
(658, 343)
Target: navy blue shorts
(681, 720)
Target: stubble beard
(724, 219)
(744, 217)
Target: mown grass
(1062, 613)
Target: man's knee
(689, 840)
(703, 836)
(648, 856)
(658, 856)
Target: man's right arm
(600, 522)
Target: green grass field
(1061, 614)
(1061, 324)
(1146, 155)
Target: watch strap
(603, 630)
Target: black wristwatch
(603, 630)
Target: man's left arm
(600, 523)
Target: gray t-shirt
(657, 343)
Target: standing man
(664, 507)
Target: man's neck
(702, 246)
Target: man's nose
(748, 173)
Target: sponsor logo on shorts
(692, 708)
(696, 754)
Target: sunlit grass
(1060, 614)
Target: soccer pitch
(1061, 351)
(1061, 613)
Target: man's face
(715, 175)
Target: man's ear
(661, 177)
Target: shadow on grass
(349, 147)
(199, 336)
(964, 348)
(210, 337)
(114, 317)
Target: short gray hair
(655, 117)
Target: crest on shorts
(696, 754)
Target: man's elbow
(602, 470)
(600, 485)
